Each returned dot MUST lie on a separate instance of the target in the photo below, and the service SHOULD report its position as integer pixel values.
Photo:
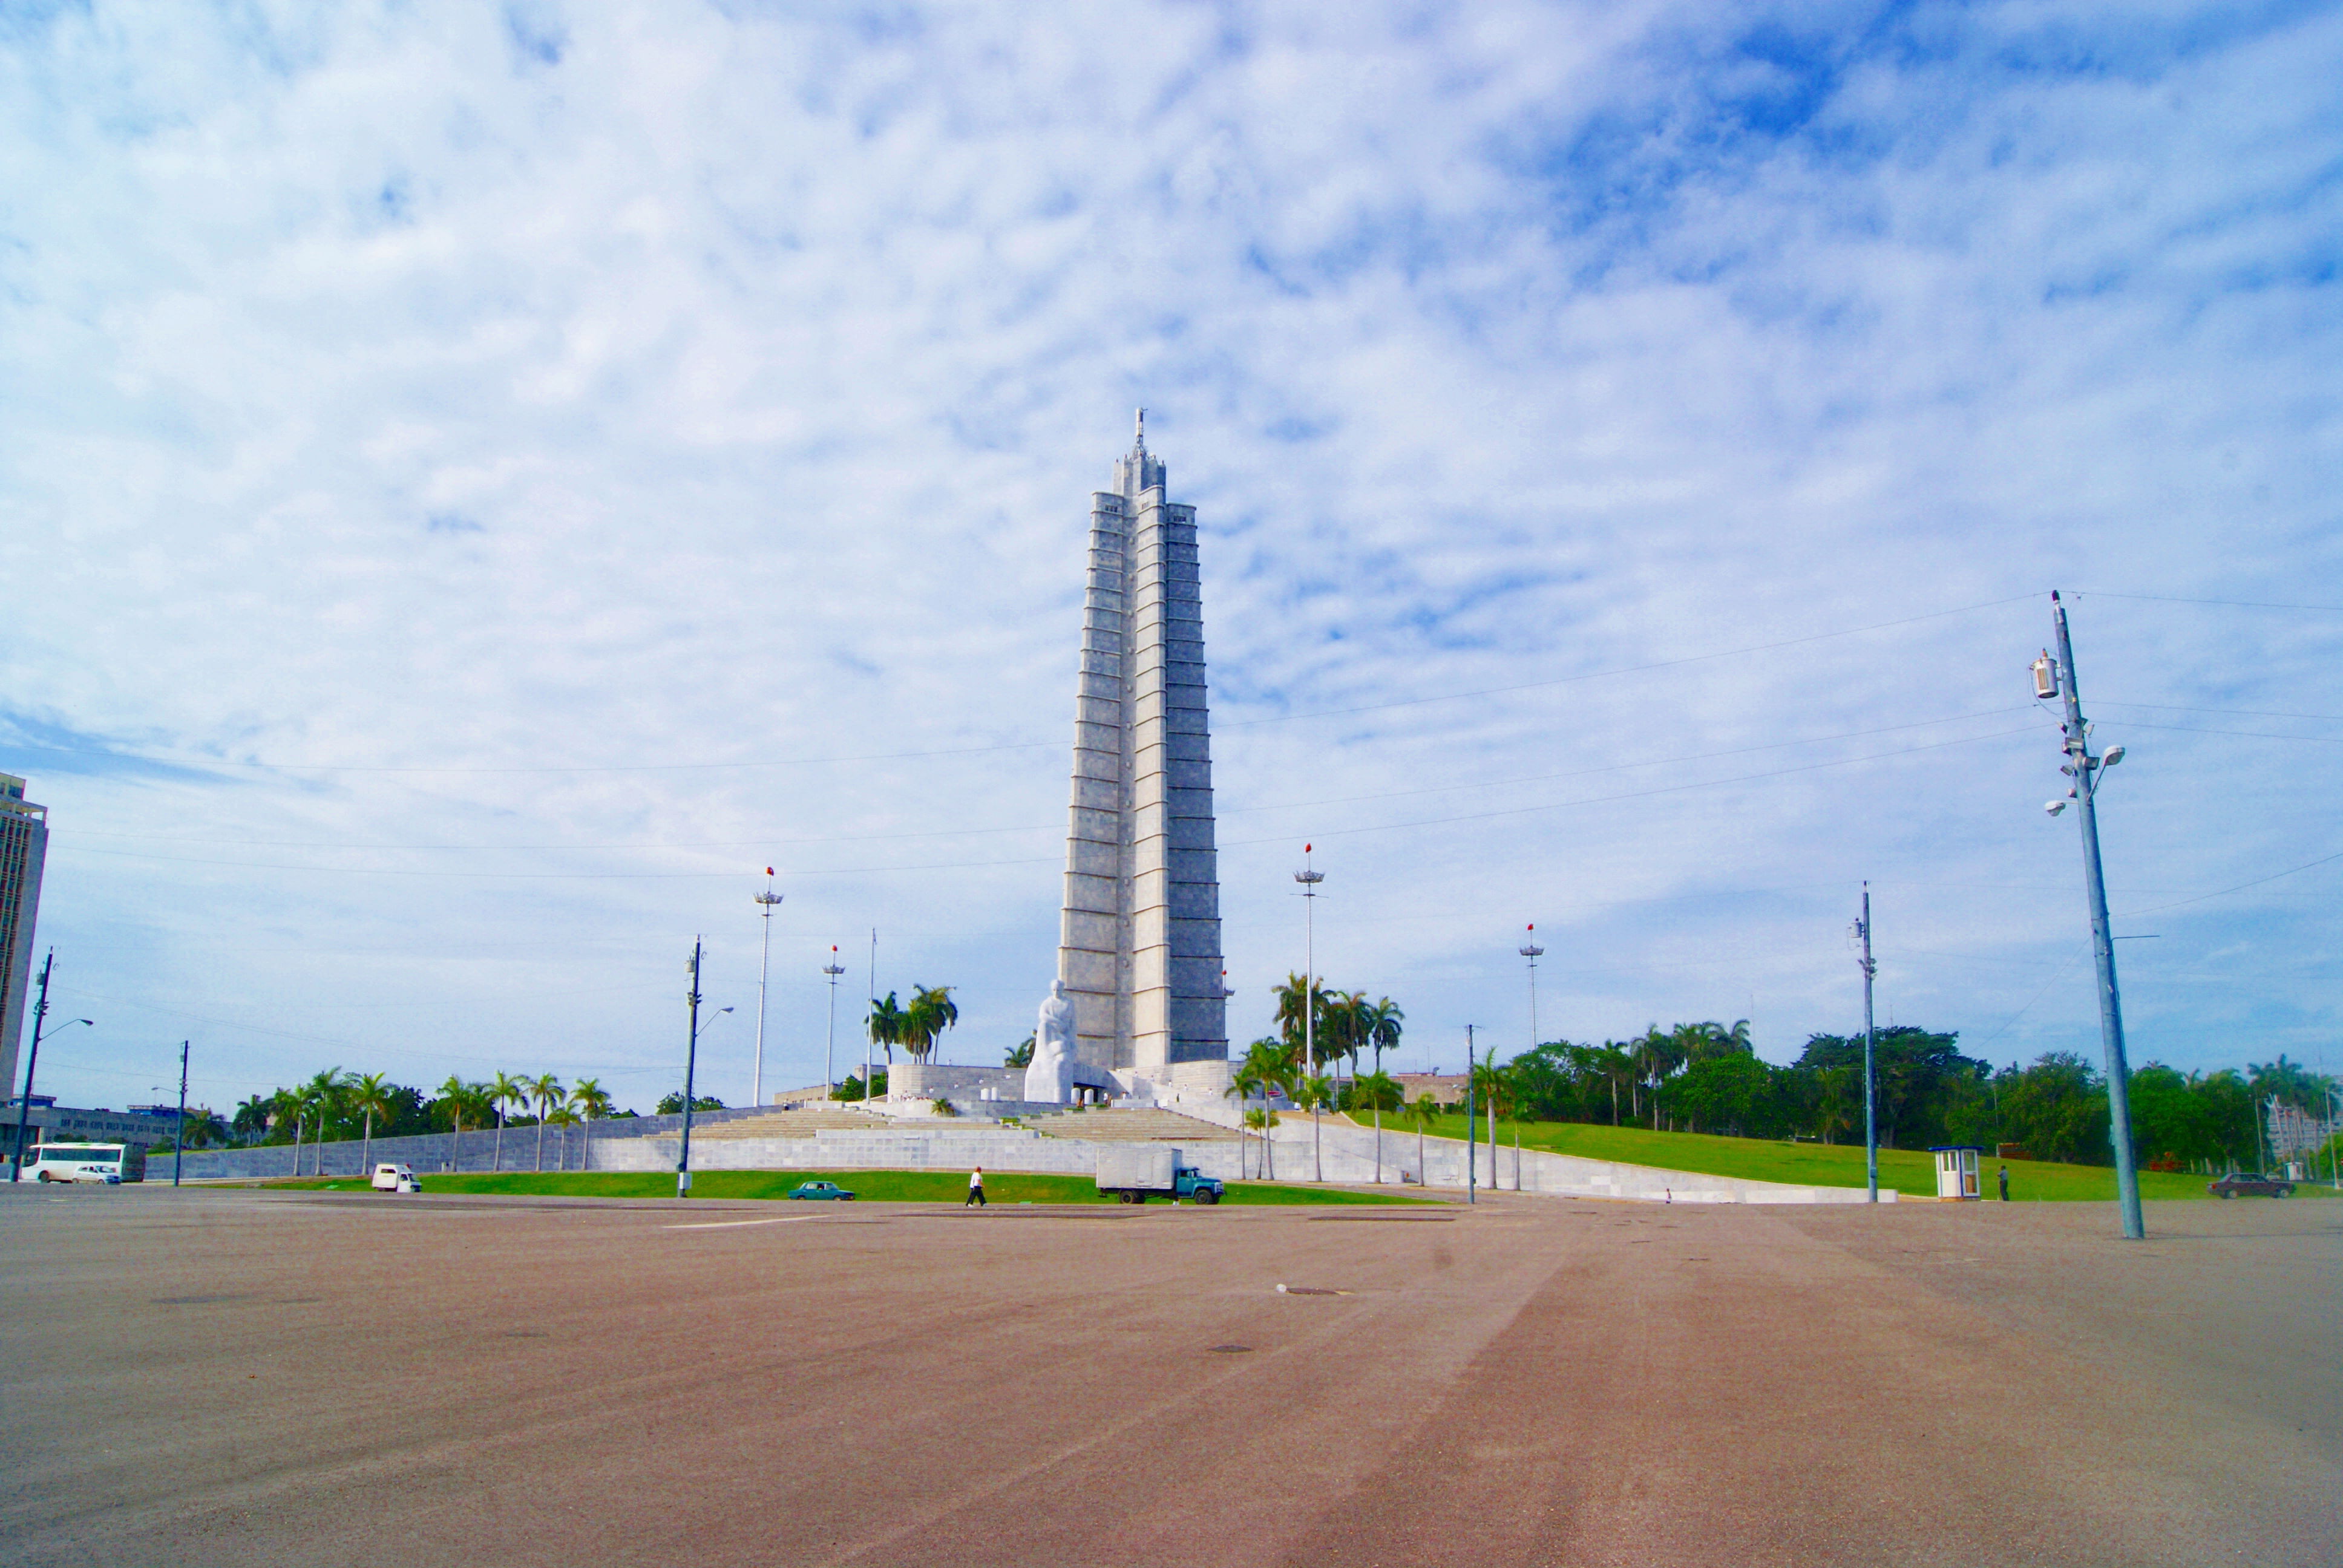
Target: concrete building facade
(1140, 934)
(24, 851)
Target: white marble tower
(1140, 942)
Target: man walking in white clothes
(976, 1187)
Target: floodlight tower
(833, 969)
(1862, 934)
(769, 900)
(2054, 678)
(1532, 951)
(1309, 878)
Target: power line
(203, 761)
(1054, 827)
(2241, 886)
(2224, 603)
(1052, 859)
(1633, 668)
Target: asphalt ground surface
(252, 1377)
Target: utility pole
(2053, 681)
(690, 1065)
(868, 1023)
(769, 900)
(32, 1060)
(179, 1148)
(1472, 1142)
(1870, 1041)
(833, 969)
(1310, 879)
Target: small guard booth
(1956, 1169)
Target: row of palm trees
(554, 1107)
(915, 1027)
(1318, 1027)
(334, 1095)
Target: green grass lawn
(867, 1186)
(1911, 1172)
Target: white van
(393, 1177)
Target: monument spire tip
(1139, 436)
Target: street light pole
(690, 1065)
(1310, 879)
(1870, 1102)
(1472, 1143)
(32, 1061)
(769, 900)
(180, 1145)
(2084, 768)
(833, 969)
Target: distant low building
(1447, 1088)
(50, 1123)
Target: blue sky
(482, 482)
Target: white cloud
(634, 389)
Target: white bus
(88, 1162)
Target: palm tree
(545, 1092)
(1317, 1093)
(504, 1091)
(561, 1116)
(369, 1096)
(885, 1023)
(1291, 1020)
(589, 1100)
(1424, 1110)
(1381, 1089)
(1265, 1065)
(456, 1096)
(285, 1106)
(932, 1012)
(323, 1095)
(251, 1121)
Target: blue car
(824, 1189)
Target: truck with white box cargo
(1135, 1172)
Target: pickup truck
(1143, 1170)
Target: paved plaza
(244, 1377)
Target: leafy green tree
(1728, 1092)
(2058, 1110)
(2172, 1125)
(671, 1103)
(1919, 1076)
(1021, 1055)
(368, 1096)
(849, 1088)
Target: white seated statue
(1050, 1076)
